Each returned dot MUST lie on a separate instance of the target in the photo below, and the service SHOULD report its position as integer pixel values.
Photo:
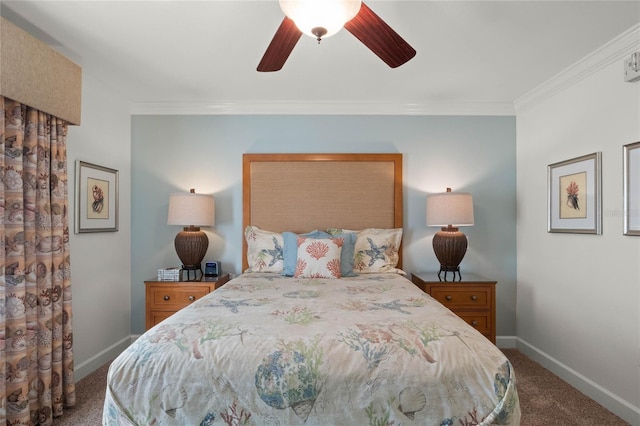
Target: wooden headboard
(303, 192)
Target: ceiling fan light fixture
(312, 15)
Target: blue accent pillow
(290, 251)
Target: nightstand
(165, 298)
(473, 298)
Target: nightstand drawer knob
(192, 298)
(474, 323)
(167, 298)
(449, 297)
(474, 297)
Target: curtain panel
(36, 338)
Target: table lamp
(449, 210)
(191, 210)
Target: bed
(323, 327)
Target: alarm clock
(212, 269)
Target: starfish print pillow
(376, 250)
(264, 250)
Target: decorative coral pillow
(264, 250)
(319, 258)
(290, 250)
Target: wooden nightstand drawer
(177, 296)
(466, 297)
(481, 321)
(165, 298)
(473, 299)
(159, 316)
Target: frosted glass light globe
(328, 14)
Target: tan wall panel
(302, 196)
(34, 74)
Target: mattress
(271, 350)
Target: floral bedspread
(272, 350)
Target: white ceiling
(202, 55)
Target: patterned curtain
(36, 356)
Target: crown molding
(320, 108)
(615, 50)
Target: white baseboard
(101, 358)
(624, 409)
(506, 342)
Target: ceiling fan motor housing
(319, 32)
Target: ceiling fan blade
(380, 38)
(280, 47)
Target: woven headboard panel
(303, 192)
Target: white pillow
(318, 258)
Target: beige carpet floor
(545, 399)
(89, 399)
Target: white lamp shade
(450, 208)
(187, 208)
(328, 14)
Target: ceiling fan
(323, 18)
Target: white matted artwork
(96, 198)
(575, 200)
(632, 189)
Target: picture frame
(631, 188)
(96, 198)
(574, 190)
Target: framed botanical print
(96, 198)
(575, 195)
(631, 188)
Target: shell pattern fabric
(271, 350)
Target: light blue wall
(474, 154)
